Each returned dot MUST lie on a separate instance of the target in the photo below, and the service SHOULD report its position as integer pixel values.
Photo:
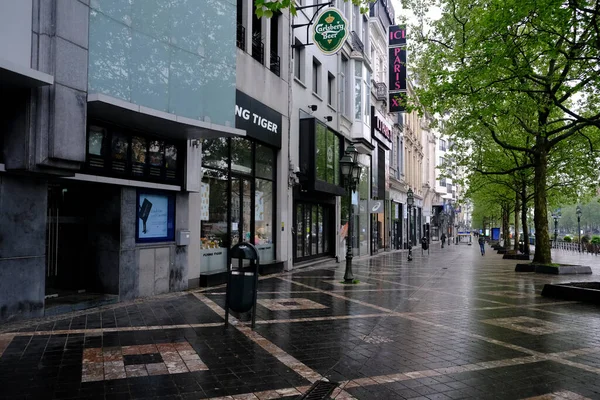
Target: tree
(266, 8)
(492, 59)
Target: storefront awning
(17, 76)
(150, 120)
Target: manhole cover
(319, 391)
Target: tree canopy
(530, 64)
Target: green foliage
(266, 8)
(568, 239)
(595, 239)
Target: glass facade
(328, 155)
(176, 56)
(237, 200)
(313, 230)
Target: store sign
(382, 130)
(397, 68)
(259, 121)
(376, 206)
(397, 102)
(330, 30)
(397, 35)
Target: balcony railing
(275, 64)
(241, 37)
(381, 91)
(357, 43)
(258, 48)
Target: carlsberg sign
(330, 30)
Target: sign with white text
(330, 30)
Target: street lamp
(351, 172)
(578, 212)
(556, 216)
(410, 200)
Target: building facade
(100, 148)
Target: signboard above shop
(259, 121)
(397, 35)
(382, 130)
(330, 30)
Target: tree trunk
(543, 254)
(505, 225)
(517, 212)
(524, 219)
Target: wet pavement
(448, 325)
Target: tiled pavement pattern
(448, 325)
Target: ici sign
(397, 67)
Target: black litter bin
(242, 280)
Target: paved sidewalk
(448, 325)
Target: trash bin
(242, 280)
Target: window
(368, 99)
(448, 187)
(344, 79)
(358, 90)
(443, 182)
(443, 145)
(442, 161)
(298, 60)
(400, 169)
(275, 60)
(316, 80)
(330, 89)
(328, 154)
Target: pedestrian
(482, 245)
(443, 239)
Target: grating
(320, 390)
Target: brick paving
(449, 325)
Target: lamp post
(410, 200)
(351, 172)
(578, 212)
(556, 216)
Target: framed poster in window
(155, 214)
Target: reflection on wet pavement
(448, 325)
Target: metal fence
(590, 248)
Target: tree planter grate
(319, 391)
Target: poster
(153, 216)
(204, 201)
(259, 206)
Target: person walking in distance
(443, 239)
(482, 245)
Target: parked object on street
(242, 282)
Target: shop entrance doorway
(82, 246)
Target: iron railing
(275, 64)
(381, 91)
(241, 37)
(258, 48)
(357, 43)
(589, 248)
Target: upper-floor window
(316, 78)
(443, 146)
(298, 60)
(330, 89)
(358, 104)
(344, 91)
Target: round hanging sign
(330, 30)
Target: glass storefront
(238, 200)
(313, 229)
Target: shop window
(265, 161)
(155, 217)
(328, 154)
(312, 230)
(241, 155)
(215, 153)
(263, 217)
(213, 220)
(116, 152)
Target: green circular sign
(330, 30)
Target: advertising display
(155, 217)
(330, 30)
(397, 68)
